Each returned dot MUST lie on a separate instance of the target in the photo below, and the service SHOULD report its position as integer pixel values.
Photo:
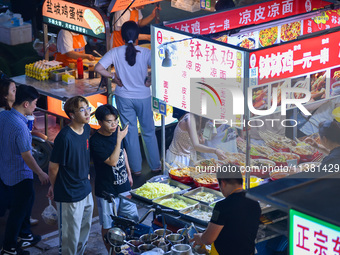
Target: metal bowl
(148, 238)
(175, 238)
(134, 245)
(160, 232)
(181, 249)
(165, 247)
(145, 247)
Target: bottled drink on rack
(80, 68)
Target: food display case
(239, 65)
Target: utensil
(162, 240)
(94, 51)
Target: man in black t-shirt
(113, 173)
(235, 220)
(69, 175)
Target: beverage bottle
(80, 68)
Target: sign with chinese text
(312, 64)
(328, 19)
(74, 17)
(245, 16)
(178, 58)
(309, 235)
(123, 4)
(56, 106)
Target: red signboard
(295, 58)
(245, 16)
(327, 19)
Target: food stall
(257, 63)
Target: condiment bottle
(91, 71)
(80, 68)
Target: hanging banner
(245, 16)
(327, 19)
(74, 17)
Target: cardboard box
(13, 35)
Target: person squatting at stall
(70, 181)
(17, 166)
(111, 164)
(329, 132)
(133, 96)
(235, 220)
(71, 46)
(132, 14)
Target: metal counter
(60, 90)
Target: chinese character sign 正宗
(309, 235)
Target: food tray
(183, 213)
(218, 194)
(174, 183)
(171, 182)
(189, 201)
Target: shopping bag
(49, 215)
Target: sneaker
(29, 240)
(14, 251)
(33, 222)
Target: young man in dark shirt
(69, 174)
(235, 220)
(113, 173)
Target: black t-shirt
(71, 152)
(112, 179)
(240, 217)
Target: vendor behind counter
(70, 47)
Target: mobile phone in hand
(126, 124)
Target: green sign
(309, 235)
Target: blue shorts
(124, 208)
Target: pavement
(50, 242)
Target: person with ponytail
(133, 96)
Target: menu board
(187, 71)
(74, 17)
(245, 16)
(312, 64)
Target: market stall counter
(60, 90)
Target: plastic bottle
(80, 68)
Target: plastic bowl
(278, 175)
(262, 172)
(182, 179)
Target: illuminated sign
(245, 16)
(178, 58)
(56, 106)
(309, 235)
(74, 17)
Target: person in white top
(133, 96)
